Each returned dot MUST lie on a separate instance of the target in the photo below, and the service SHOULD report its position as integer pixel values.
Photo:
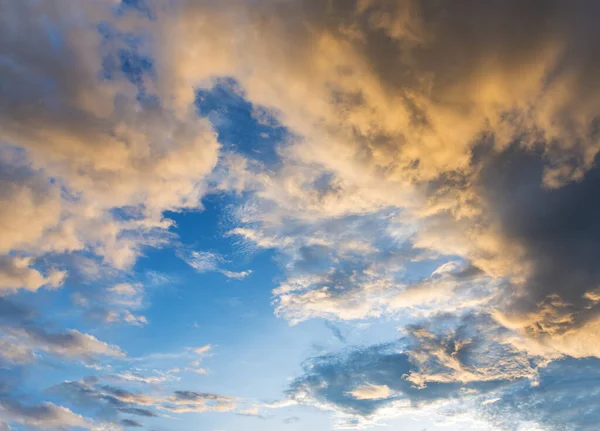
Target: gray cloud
(558, 231)
(447, 361)
(46, 416)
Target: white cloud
(370, 392)
(17, 272)
(203, 261)
(206, 261)
(203, 350)
(89, 147)
(236, 275)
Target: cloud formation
(452, 369)
(93, 164)
(417, 102)
(438, 160)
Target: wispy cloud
(206, 261)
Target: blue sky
(268, 215)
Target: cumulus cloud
(487, 143)
(87, 146)
(460, 137)
(16, 272)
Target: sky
(272, 215)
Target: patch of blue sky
(129, 60)
(241, 126)
(139, 6)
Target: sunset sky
(291, 215)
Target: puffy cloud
(92, 165)
(16, 272)
(374, 76)
(419, 131)
(487, 143)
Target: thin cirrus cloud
(206, 261)
(431, 166)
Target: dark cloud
(559, 231)
(430, 49)
(130, 423)
(137, 411)
(107, 401)
(45, 416)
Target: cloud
(554, 304)
(69, 343)
(114, 401)
(189, 401)
(203, 350)
(421, 136)
(447, 366)
(491, 159)
(206, 261)
(109, 400)
(252, 412)
(236, 275)
(16, 272)
(564, 399)
(42, 416)
(92, 166)
(203, 261)
(337, 333)
(370, 392)
(130, 423)
(137, 377)
(25, 338)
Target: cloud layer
(431, 160)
